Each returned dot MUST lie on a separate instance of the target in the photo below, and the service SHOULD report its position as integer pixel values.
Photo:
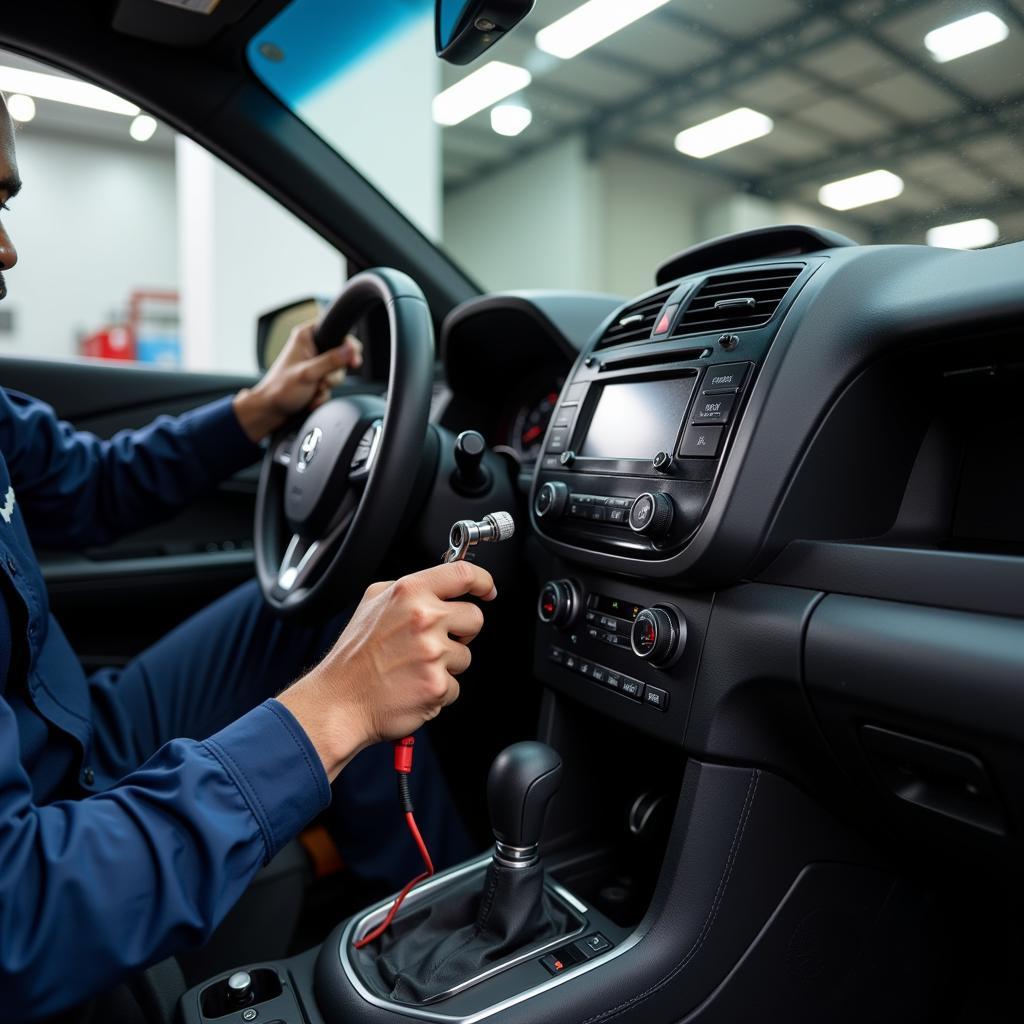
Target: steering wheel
(333, 489)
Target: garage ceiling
(848, 83)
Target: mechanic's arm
(93, 889)
(77, 490)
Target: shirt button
(88, 776)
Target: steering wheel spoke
(281, 450)
(366, 453)
(298, 557)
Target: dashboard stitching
(709, 922)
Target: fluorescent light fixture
(589, 24)
(721, 133)
(142, 128)
(510, 118)
(966, 234)
(63, 90)
(483, 88)
(22, 108)
(860, 190)
(959, 38)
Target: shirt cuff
(220, 442)
(276, 769)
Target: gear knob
(520, 784)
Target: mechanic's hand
(299, 379)
(394, 666)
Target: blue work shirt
(100, 876)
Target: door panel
(114, 601)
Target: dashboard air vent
(748, 298)
(635, 322)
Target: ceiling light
(63, 90)
(589, 24)
(721, 133)
(965, 36)
(510, 118)
(966, 234)
(21, 107)
(872, 187)
(483, 88)
(142, 128)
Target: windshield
(599, 138)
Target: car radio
(630, 459)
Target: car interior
(743, 737)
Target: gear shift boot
(461, 936)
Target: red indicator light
(663, 323)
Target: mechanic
(137, 805)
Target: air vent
(725, 302)
(635, 322)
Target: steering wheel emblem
(308, 449)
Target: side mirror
(273, 327)
(464, 29)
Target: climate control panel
(620, 645)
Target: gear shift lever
(433, 952)
(520, 784)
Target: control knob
(651, 514)
(558, 603)
(658, 635)
(549, 502)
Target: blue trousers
(224, 661)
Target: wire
(403, 767)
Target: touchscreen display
(638, 419)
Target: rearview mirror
(464, 29)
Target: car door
(113, 601)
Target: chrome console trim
(359, 925)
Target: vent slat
(635, 322)
(768, 288)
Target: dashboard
(811, 444)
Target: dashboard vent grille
(635, 322)
(725, 302)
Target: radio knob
(558, 603)
(651, 514)
(549, 501)
(658, 634)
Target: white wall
(241, 253)
(94, 222)
(649, 211)
(530, 226)
(559, 220)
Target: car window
(602, 136)
(134, 243)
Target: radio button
(700, 442)
(550, 462)
(632, 688)
(564, 416)
(713, 409)
(726, 376)
(558, 439)
(656, 698)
